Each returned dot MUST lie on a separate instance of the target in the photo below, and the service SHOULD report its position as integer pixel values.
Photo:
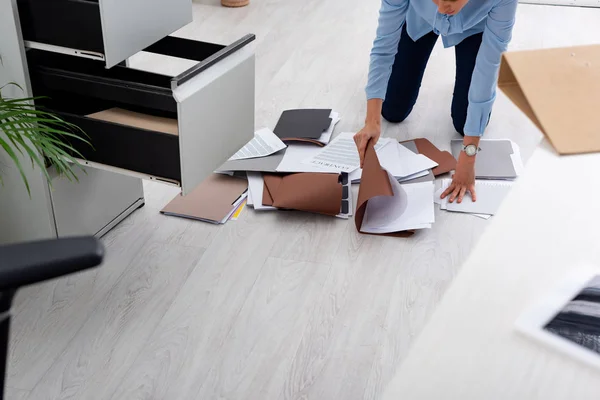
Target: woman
(480, 30)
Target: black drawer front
(68, 23)
(134, 149)
(57, 72)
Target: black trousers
(407, 74)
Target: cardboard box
(559, 90)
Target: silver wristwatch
(471, 150)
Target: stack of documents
(497, 158)
(498, 164)
(286, 160)
(400, 162)
(340, 155)
(387, 207)
(216, 200)
(328, 194)
(490, 194)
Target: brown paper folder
(311, 192)
(446, 162)
(211, 201)
(559, 90)
(373, 183)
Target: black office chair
(29, 263)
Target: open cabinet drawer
(108, 30)
(173, 129)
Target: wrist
(463, 158)
(467, 140)
(373, 122)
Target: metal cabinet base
(95, 204)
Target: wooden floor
(274, 305)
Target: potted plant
(39, 135)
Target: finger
(362, 147)
(461, 194)
(473, 195)
(454, 194)
(449, 190)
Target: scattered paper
(516, 159)
(294, 156)
(264, 143)
(325, 137)
(341, 154)
(256, 186)
(411, 207)
(249, 200)
(399, 161)
(414, 176)
(444, 202)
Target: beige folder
(211, 201)
(559, 90)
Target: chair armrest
(28, 263)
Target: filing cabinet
(208, 110)
(172, 129)
(106, 30)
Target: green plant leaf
(33, 156)
(17, 162)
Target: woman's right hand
(371, 131)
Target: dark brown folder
(311, 192)
(373, 183)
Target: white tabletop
(547, 227)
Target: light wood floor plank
(180, 353)
(116, 330)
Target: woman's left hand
(463, 180)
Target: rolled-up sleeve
(482, 93)
(392, 16)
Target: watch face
(471, 150)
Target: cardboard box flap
(559, 90)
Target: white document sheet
(443, 202)
(493, 192)
(516, 159)
(341, 154)
(264, 143)
(411, 207)
(400, 162)
(249, 202)
(414, 176)
(256, 185)
(490, 194)
(326, 136)
(298, 152)
(411, 163)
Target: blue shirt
(495, 18)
